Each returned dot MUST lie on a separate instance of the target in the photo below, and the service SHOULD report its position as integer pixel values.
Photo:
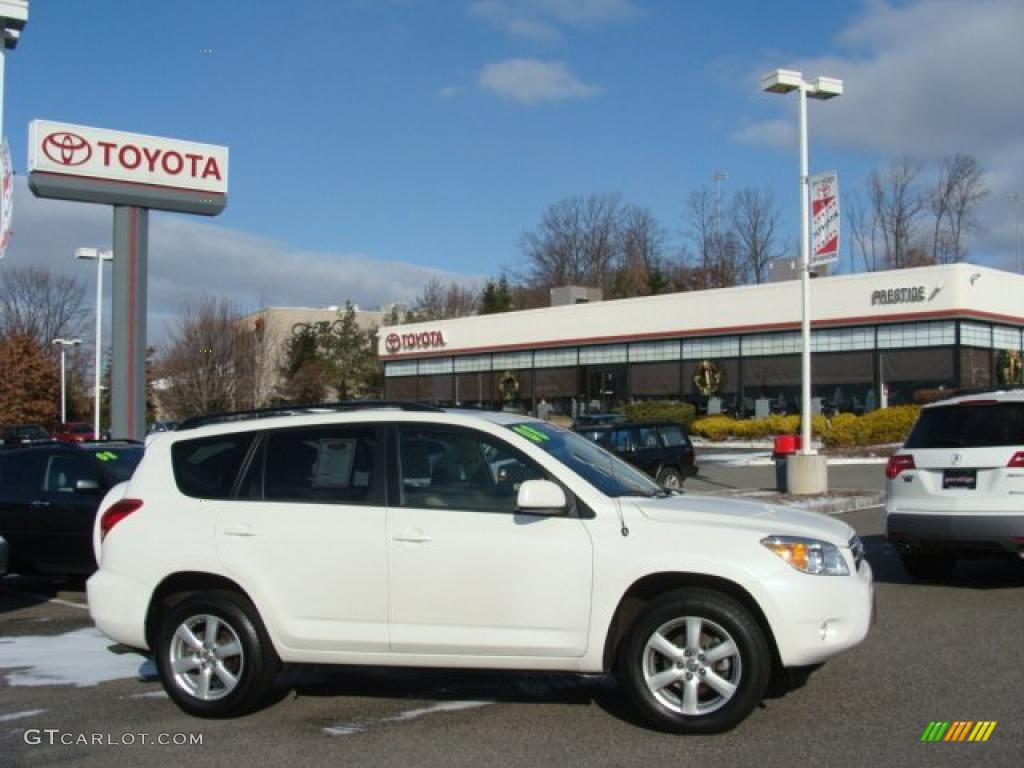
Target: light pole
(784, 81)
(1017, 201)
(13, 18)
(100, 256)
(64, 344)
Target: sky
(375, 144)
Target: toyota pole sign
(825, 212)
(99, 165)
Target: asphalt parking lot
(952, 651)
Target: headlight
(808, 555)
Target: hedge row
(661, 410)
(887, 425)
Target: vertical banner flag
(6, 197)
(825, 216)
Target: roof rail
(305, 409)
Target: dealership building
(878, 338)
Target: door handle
(39, 504)
(413, 536)
(243, 531)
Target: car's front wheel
(671, 478)
(695, 661)
(214, 656)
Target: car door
(20, 475)
(649, 453)
(468, 575)
(64, 514)
(307, 530)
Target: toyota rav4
(404, 535)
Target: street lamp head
(781, 81)
(825, 88)
(93, 253)
(67, 342)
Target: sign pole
(128, 337)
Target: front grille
(857, 550)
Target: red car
(73, 432)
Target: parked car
(162, 426)
(584, 420)
(48, 499)
(24, 434)
(74, 432)
(3, 556)
(663, 450)
(413, 536)
(956, 488)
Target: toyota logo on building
(67, 148)
(393, 342)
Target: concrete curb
(827, 504)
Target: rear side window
(969, 426)
(206, 468)
(322, 465)
(673, 436)
(647, 437)
(19, 471)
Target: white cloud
(926, 79)
(448, 92)
(541, 20)
(189, 255)
(531, 81)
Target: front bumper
(118, 605)
(956, 532)
(821, 616)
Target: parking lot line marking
(20, 715)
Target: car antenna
(622, 521)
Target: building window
(843, 340)
(472, 364)
(654, 380)
(505, 360)
(975, 335)
(769, 344)
(612, 353)
(916, 335)
(653, 351)
(1006, 338)
(400, 369)
(440, 365)
(722, 346)
(554, 358)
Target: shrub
(888, 425)
(661, 410)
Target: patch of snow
(353, 728)
(20, 715)
(78, 658)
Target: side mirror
(87, 486)
(541, 497)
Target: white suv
(957, 485)
(412, 536)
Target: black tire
(254, 668)
(928, 567)
(670, 477)
(748, 669)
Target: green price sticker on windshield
(106, 456)
(531, 434)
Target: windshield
(119, 460)
(607, 473)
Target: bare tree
(864, 228)
(953, 200)
(574, 244)
(717, 263)
(755, 217)
(208, 362)
(642, 269)
(438, 301)
(39, 303)
(897, 205)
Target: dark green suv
(662, 450)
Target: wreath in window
(1008, 367)
(509, 385)
(708, 378)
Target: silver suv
(957, 486)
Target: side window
(19, 471)
(63, 471)
(321, 465)
(619, 440)
(206, 468)
(647, 437)
(460, 469)
(672, 436)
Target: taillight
(1017, 461)
(116, 513)
(897, 464)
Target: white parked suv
(411, 536)
(956, 488)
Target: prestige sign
(399, 342)
(898, 296)
(100, 165)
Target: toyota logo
(957, 459)
(67, 148)
(393, 342)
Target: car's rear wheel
(695, 661)
(214, 656)
(671, 478)
(928, 567)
